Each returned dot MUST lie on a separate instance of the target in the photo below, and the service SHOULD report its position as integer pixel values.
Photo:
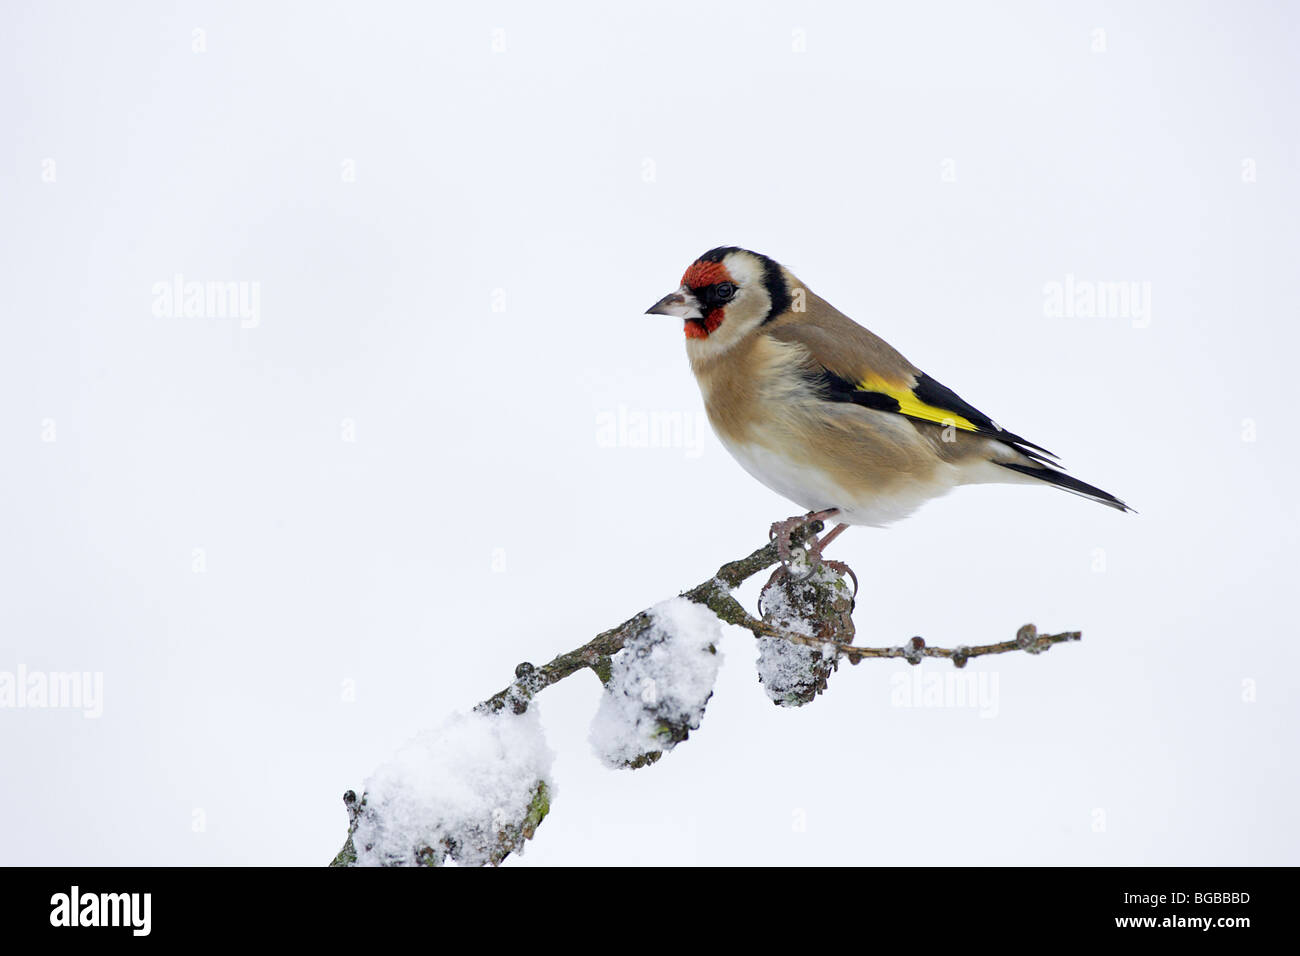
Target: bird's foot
(816, 549)
(783, 532)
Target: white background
(226, 736)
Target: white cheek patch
(744, 270)
(753, 302)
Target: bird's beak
(681, 303)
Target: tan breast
(763, 410)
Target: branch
(716, 594)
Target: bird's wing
(851, 364)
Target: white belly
(814, 489)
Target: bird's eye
(724, 291)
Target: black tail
(1069, 483)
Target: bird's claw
(783, 532)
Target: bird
(826, 413)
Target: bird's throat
(703, 328)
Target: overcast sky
(285, 529)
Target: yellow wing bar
(913, 407)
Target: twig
(715, 594)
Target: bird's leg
(783, 530)
(829, 536)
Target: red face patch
(703, 328)
(705, 273)
(699, 275)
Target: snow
(465, 788)
(793, 674)
(659, 685)
(790, 673)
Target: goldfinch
(828, 414)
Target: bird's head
(725, 294)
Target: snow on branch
(476, 788)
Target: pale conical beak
(681, 304)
